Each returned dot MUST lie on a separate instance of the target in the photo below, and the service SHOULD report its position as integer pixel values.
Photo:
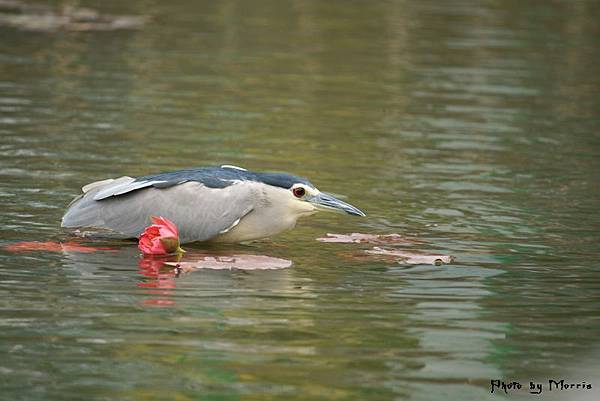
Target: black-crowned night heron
(225, 204)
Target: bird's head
(308, 197)
(304, 198)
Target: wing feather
(199, 212)
(114, 188)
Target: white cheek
(303, 207)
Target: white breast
(275, 211)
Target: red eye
(298, 192)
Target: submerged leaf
(50, 246)
(44, 18)
(411, 258)
(358, 238)
(242, 262)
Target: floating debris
(44, 18)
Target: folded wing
(125, 205)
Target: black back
(221, 177)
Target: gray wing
(199, 212)
(125, 186)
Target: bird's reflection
(157, 277)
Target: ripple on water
(451, 124)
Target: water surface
(470, 126)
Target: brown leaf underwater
(52, 246)
(36, 17)
(360, 238)
(240, 262)
(412, 258)
(400, 256)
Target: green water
(472, 127)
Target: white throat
(275, 210)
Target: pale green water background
(472, 126)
